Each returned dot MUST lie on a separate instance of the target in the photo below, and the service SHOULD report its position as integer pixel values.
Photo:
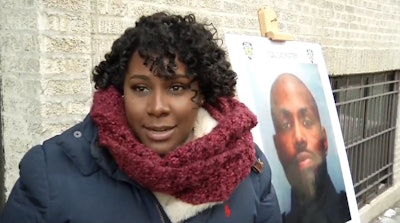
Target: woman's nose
(158, 104)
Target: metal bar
(374, 174)
(367, 109)
(367, 97)
(371, 137)
(375, 183)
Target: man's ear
(325, 140)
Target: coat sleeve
(268, 210)
(28, 200)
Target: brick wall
(48, 48)
(21, 87)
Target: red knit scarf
(207, 169)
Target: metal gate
(367, 110)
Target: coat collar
(79, 144)
(76, 143)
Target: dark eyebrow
(139, 76)
(181, 75)
(304, 111)
(284, 113)
(146, 77)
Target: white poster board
(258, 62)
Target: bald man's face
(300, 140)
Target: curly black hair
(169, 37)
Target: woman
(165, 140)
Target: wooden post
(269, 25)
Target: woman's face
(161, 112)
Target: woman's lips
(159, 133)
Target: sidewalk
(391, 215)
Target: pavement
(391, 215)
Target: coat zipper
(160, 213)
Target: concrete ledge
(380, 204)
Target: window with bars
(367, 110)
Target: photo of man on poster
(301, 144)
(288, 87)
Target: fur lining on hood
(178, 210)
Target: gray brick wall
(48, 48)
(20, 84)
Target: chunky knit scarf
(207, 169)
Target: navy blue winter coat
(71, 179)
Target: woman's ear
(200, 99)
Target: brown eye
(308, 123)
(177, 89)
(140, 90)
(285, 126)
